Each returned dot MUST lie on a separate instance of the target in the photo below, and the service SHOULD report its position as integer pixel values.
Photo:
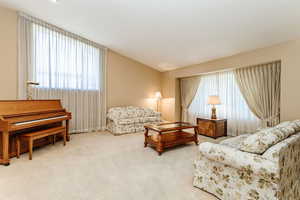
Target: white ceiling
(168, 34)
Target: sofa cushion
(234, 142)
(296, 125)
(256, 164)
(283, 124)
(130, 112)
(259, 142)
(287, 128)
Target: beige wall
(288, 53)
(128, 82)
(132, 83)
(8, 54)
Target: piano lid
(10, 108)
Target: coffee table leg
(196, 135)
(159, 147)
(146, 136)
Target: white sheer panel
(233, 108)
(63, 62)
(68, 68)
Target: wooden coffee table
(170, 135)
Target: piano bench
(30, 137)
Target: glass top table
(170, 126)
(170, 135)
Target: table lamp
(29, 84)
(214, 100)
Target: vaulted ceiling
(168, 34)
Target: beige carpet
(100, 166)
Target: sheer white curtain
(67, 67)
(234, 108)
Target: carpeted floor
(100, 166)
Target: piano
(23, 116)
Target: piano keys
(23, 116)
(39, 120)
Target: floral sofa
(130, 119)
(261, 166)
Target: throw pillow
(259, 142)
(296, 125)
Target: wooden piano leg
(18, 146)
(65, 136)
(54, 139)
(67, 130)
(30, 146)
(5, 147)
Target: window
(233, 107)
(62, 62)
(67, 67)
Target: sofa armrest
(289, 164)
(253, 163)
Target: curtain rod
(61, 30)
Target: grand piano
(24, 116)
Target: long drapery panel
(67, 67)
(188, 89)
(260, 86)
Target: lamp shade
(214, 100)
(158, 95)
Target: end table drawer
(206, 128)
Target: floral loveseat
(261, 166)
(130, 119)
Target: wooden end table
(212, 127)
(170, 135)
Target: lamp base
(157, 105)
(213, 113)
